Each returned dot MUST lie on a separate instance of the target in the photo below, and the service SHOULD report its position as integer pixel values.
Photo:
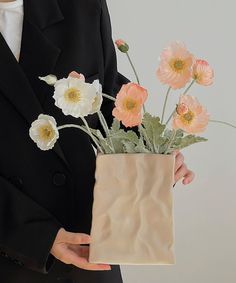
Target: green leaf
(128, 147)
(141, 147)
(186, 141)
(153, 131)
(118, 145)
(115, 126)
(123, 135)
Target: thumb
(77, 238)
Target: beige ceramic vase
(132, 219)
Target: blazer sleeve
(27, 230)
(113, 80)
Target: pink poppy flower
(203, 73)
(175, 67)
(195, 120)
(129, 103)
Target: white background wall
(205, 211)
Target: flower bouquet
(132, 209)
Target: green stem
(144, 109)
(165, 103)
(106, 129)
(81, 128)
(72, 126)
(132, 65)
(91, 135)
(108, 96)
(188, 88)
(185, 92)
(222, 122)
(135, 73)
(170, 116)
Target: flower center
(46, 133)
(188, 117)
(130, 104)
(197, 77)
(72, 95)
(178, 65)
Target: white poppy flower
(97, 85)
(74, 96)
(50, 79)
(44, 132)
(97, 103)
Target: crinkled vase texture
(132, 210)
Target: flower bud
(122, 45)
(182, 109)
(203, 74)
(76, 75)
(50, 79)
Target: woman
(46, 197)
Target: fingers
(184, 172)
(179, 160)
(77, 238)
(72, 258)
(181, 172)
(188, 178)
(95, 267)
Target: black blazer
(41, 192)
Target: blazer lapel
(14, 81)
(38, 56)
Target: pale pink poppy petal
(203, 73)
(175, 67)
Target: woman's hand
(181, 169)
(67, 248)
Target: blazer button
(59, 179)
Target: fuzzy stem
(72, 126)
(188, 88)
(170, 116)
(165, 103)
(105, 127)
(135, 73)
(185, 92)
(108, 96)
(91, 135)
(132, 65)
(81, 128)
(222, 122)
(171, 141)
